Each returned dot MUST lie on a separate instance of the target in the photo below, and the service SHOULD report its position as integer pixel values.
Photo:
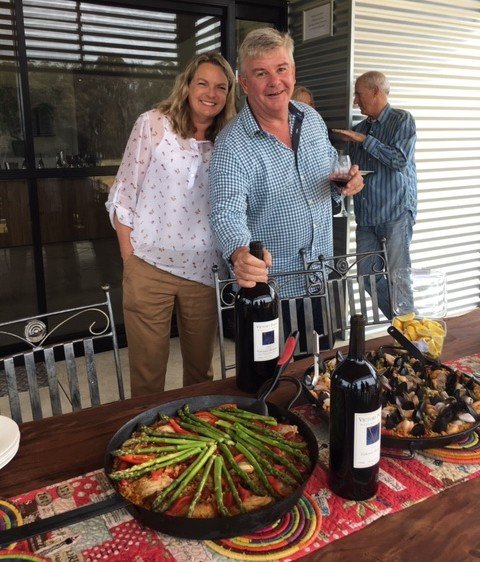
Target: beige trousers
(149, 298)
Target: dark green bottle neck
(256, 249)
(356, 349)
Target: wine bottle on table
(355, 421)
(256, 332)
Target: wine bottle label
(366, 436)
(265, 340)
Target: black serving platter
(389, 440)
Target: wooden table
(445, 527)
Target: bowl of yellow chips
(427, 334)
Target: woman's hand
(124, 242)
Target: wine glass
(340, 177)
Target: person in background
(303, 94)
(269, 178)
(384, 143)
(158, 206)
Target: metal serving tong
(260, 406)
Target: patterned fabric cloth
(117, 537)
(389, 151)
(160, 191)
(261, 190)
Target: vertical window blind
(430, 52)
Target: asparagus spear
(161, 503)
(188, 417)
(141, 469)
(248, 441)
(268, 467)
(156, 450)
(258, 469)
(198, 493)
(233, 463)
(277, 443)
(269, 420)
(217, 482)
(167, 441)
(181, 436)
(232, 487)
(263, 430)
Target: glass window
(80, 249)
(17, 273)
(93, 69)
(12, 148)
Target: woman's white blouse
(161, 192)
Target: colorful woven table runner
(319, 518)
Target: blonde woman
(158, 206)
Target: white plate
(9, 435)
(8, 452)
(10, 456)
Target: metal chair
(47, 356)
(296, 313)
(346, 291)
(331, 286)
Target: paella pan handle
(286, 378)
(401, 456)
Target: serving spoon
(407, 344)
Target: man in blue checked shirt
(270, 168)
(385, 144)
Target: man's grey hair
(260, 41)
(374, 78)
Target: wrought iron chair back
(331, 281)
(346, 288)
(43, 349)
(298, 309)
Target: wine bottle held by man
(256, 331)
(355, 421)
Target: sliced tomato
(280, 467)
(178, 428)
(136, 459)
(207, 417)
(179, 506)
(243, 492)
(239, 458)
(228, 499)
(157, 474)
(276, 484)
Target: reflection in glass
(17, 273)
(92, 72)
(12, 146)
(80, 249)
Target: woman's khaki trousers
(149, 297)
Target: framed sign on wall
(318, 22)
